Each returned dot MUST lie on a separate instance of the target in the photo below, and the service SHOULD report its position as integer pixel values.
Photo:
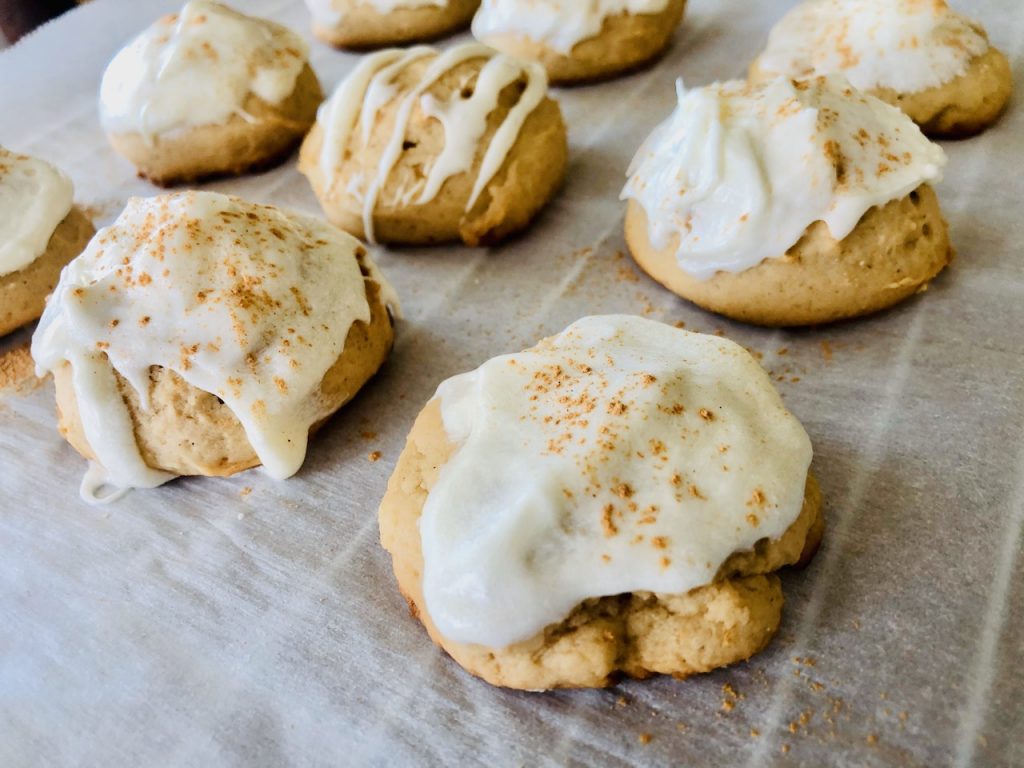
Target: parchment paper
(252, 622)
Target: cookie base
(892, 253)
(364, 27)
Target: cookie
(202, 335)
(208, 92)
(601, 505)
(934, 64)
(419, 146)
(579, 42)
(41, 230)
(787, 203)
(374, 23)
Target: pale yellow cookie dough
(187, 431)
(638, 634)
(363, 26)
(528, 179)
(892, 253)
(626, 41)
(264, 137)
(23, 293)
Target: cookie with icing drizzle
(919, 55)
(200, 334)
(580, 41)
(41, 230)
(373, 23)
(788, 202)
(208, 92)
(615, 500)
(420, 146)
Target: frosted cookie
(578, 41)
(369, 23)
(788, 203)
(200, 334)
(919, 55)
(208, 91)
(419, 146)
(614, 500)
(41, 230)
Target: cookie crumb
(368, 435)
(645, 738)
(785, 749)
(621, 701)
(375, 455)
(754, 733)
(826, 351)
(245, 491)
(871, 739)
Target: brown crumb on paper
(645, 738)
(375, 455)
(245, 491)
(18, 370)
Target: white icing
(738, 173)
(331, 13)
(559, 24)
(908, 46)
(622, 455)
(373, 86)
(34, 198)
(241, 300)
(197, 68)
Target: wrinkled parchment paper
(252, 622)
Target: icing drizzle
(360, 99)
(241, 300)
(621, 455)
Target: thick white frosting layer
(372, 86)
(34, 198)
(331, 13)
(244, 301)
(559, 24)
(621, 455)
(197, 68)
(905, 45)
(738, 173)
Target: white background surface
(192, 625)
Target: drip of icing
(559, 24)
(621, 455)
(738, 173)
(34, 198)
(198, 68)
(240, 300)
(373, 85)
(907, 46)
(329, 14)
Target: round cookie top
(243, 301)
(34, 198)
(620, 455)
(331, 13)
(198, 67)
(559, 24)
(738, 172)
(397, 83)
(907, 46)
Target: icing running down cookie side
(240, 300)
(739, 172)
(372, 86)
(34, 198)
(559, 24)
(621, 455)
(197, 68)
(908, 46)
